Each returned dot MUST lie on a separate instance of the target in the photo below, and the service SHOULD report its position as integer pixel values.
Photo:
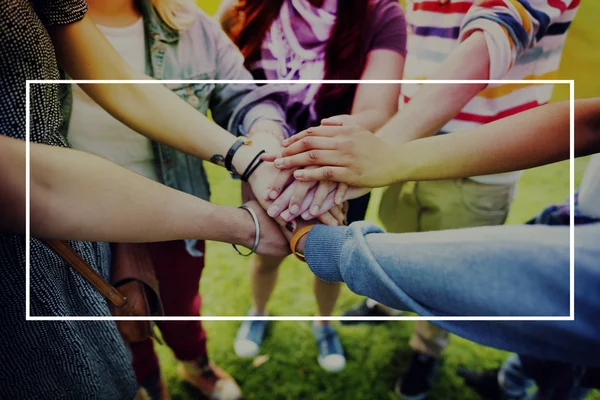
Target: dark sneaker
(485, 383)
(331, 353)
(364, 310)
(249, 338)
(418, 379)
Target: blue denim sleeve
(508, 271)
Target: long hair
(344, 53)
(177, 14)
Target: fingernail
(298, 174)
(314, 210)
(273, 195)
(294, 209)
(290, 226)
(338, 200)
(346, 222)
(287, 216)
(278, 163)
(272, 211)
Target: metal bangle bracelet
(257, 233)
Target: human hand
(329, 213)
(285, 176)
(266, 172)
(272, 241)
(295, 195)
(261, 179)
(347, 154)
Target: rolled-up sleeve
(512, 26)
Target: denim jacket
(201, 52)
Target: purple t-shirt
(385, 29)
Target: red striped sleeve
(486, 119)
(490, 3)
(460, 7)
(558, 4)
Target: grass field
(376, 355)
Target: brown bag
(134, 289)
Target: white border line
(571, 316)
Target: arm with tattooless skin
(65, 184)
(150, 109)
(490, 39)
(352, 155)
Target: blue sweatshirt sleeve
(507, 271)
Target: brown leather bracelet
(300, 233)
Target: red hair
(344, 54)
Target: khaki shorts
(436, 205)
(448, 204)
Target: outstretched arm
(418, 118)
(528, 139)
(492, 35)
(508, 271)
(150, 109)
(78, 196)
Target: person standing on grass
(317, 39)
(172, 39)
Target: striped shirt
(525, 39)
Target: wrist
(243, 157)
(245, 231)
(301, 243)
(407, 163)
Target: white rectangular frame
(571, 316)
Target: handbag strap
(63, 249)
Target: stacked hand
(261, 182)
(326, 166)
(257, 192)
(314, 173)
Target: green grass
(376, 355)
